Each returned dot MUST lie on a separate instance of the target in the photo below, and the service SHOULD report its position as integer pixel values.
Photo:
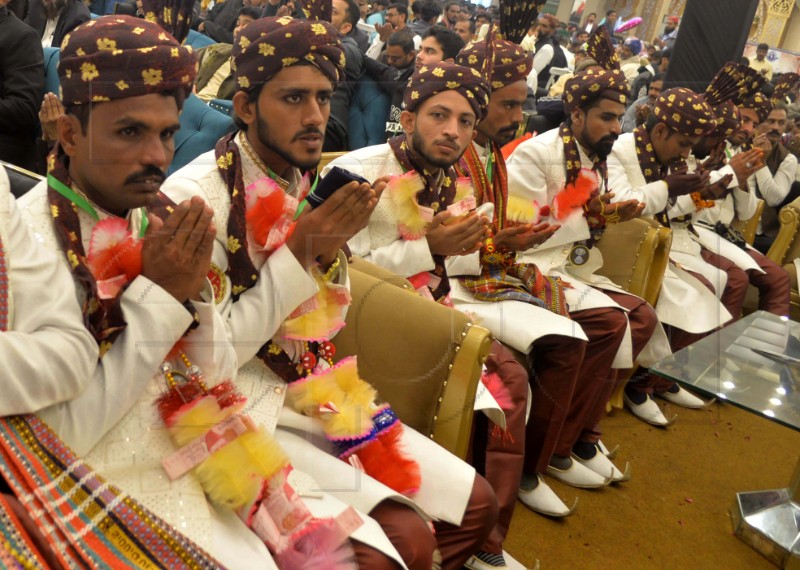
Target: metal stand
(769, 521)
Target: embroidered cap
(430, 80)
(685, 112)
(510, 62)
(269, 45)
(116, 57)
(592, 84)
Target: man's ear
(408, 121)
(68, 129)
(577, 117)
(244, 108)
(346, 29)
(449, 60)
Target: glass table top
(753, 363)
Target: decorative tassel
(382, 459)
(576, 195)
(498, 390)
(522, 211)
(339, 398)
(402, 191)
(321, 319)
(269, 214)
(115, 255)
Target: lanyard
(304, 203)
(84, 204)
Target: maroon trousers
(774, 287)
(504, 449)
(736, 287)
(645, 382)
(569, 378)
(414, 541)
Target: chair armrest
(750, 227)
(423, 358)
(628, 252)
(786, 247)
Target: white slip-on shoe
(683, 398)
(577, 475)
(611, 454)
(648, 412)
(602, 465)
(544, 501)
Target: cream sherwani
(679, 290)
(114, 424)
(536, 172)
(282, 286)
(514, 323)
(738, 204)
(47, 354)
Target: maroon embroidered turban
(760, 104)
(430, 80)
(591, 84)
(510, 62)
(116, 57)
(783, 85)
(269, 45)
(685, 112)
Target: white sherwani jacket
(738, 204)
(684, 301)
(253, 319)
(514, 323)
(47, 354)
(114, 424)
(536, 172)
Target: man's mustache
(149, 172)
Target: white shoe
(683, 398)
(602, 465)
(648, 412)
(543, 500)
(577, 475)
(605, 451)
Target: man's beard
(601, 147)
(418, 144)
(262, 131)
(506, 135)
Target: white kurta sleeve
(654, 195)
(775, 188)
(404, 257)
(48, 355)
(464, 264)
(745, 202)
(683, 205)
(155, 322)
(255, 317)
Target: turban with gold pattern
(430, 80)
(510, 63)
(685, 112)
(269, 45)
(116, 57)
(760, 104)
(591, 84)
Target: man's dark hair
(352, 15)
(610, 12)
(450, 42)
(450, 3)
(429, 9)
(666, 53)
(780, 106)
(471, 26)
(250, 11)
(403, 38)
(745, 61)
(401, 8)
(658, 77)
(763, 46)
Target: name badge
(579, 254)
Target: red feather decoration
(575, 195)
